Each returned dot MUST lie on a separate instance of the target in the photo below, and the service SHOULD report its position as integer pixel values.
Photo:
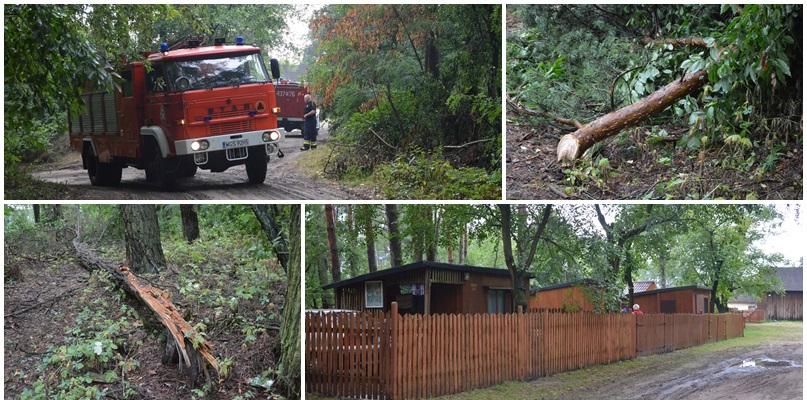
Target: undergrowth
(428, 176)
(229, 288)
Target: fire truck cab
(191, 107)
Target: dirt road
(283, 181)
(769, 371)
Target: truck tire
(159, 169)
(256, 164)
(100, 173)
(187, 168)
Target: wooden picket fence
(662, 333)
(389, 356)
(755, 316)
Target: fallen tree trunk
(573, 145)
(181, 336)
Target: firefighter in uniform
(310, 125)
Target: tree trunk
(352, 261)
(396, 258)
(190, 222)
(369, 237)
(144, 253)
(432, 55)
(464, 244)
(573, 145)
(431, 249)
(322, 273)
(336, 271)
(154, 306)
(629, 273)
(519, 298)
(36, 213)
(267, 216)
(289, 377)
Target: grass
(558, 385)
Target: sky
(790, 241)
(297, 32)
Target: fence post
(521, 341)
(392, 372)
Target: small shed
(427, 287)
(789, 306)
(675, 300)
(569, 296)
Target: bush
(428, 176)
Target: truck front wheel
(160, 169)
(256, 164)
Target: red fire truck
(209, 107)
(290, 99)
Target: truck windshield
(216, 72)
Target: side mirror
(275, 66)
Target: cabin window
(496, 301)
(668, 306)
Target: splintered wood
(158, 301)
(198, 358)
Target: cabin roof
(416, 266)
(671, 289)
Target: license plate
(235, 143)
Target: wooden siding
(686, 300)
(570, 298)
(788, 307)
(389, 356)
(447, 290)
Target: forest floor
(639, 169)
(58, 304)
(287, 178)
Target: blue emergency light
(239, 40)
(164, 48)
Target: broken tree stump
(181, 335)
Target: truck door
(127, 111)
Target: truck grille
(231, 127)
(225, 114)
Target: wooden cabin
(427, 287)
(569, 296)
(675, 300)
(789, 305)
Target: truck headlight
(271, 136)
(200, 145)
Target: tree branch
(526, 111)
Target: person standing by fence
(636, 310)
